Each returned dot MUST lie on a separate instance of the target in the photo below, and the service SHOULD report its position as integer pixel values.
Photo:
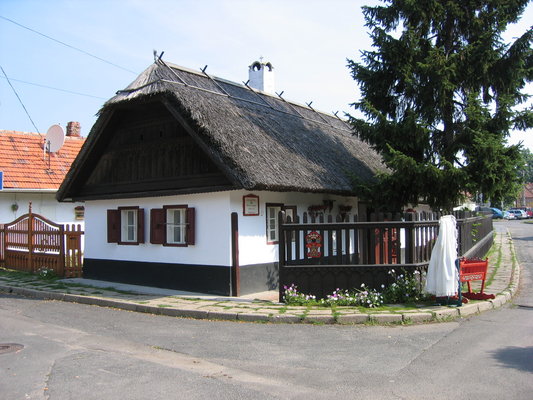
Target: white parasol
(442, 275)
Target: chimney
(261, 76)
(73, 129)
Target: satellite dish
(54, 139)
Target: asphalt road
(74, 351)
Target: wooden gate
(33, 242)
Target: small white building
(30, 173)
(184, 174)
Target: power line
(54, 88)
(23, 106)
(68, 45)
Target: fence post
(409, 239)
(61, 265)
(30, 240)
(235, 267)
(281, 253)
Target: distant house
(31, 174)
(174, 155)
(525, 199)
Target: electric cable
(68, 45)
(20, 100)
(58, 89)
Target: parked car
(528, 210)
(508, 215)
(496, 212)
(519, 214)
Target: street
(74, 351)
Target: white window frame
(128, 228)
(176, 231)
(272, 211)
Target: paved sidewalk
(263, 307)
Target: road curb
(310, 317)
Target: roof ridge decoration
(173, 68)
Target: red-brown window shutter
(140, 225)
(191, 231)
(157, 226)
(113, 226)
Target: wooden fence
(32, 242)
(320, 254)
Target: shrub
(46, 273)
(406, 288)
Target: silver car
(519, 214)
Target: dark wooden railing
(345, 254)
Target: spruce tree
(440, 93)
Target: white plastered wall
(212, 225)
(14, 204)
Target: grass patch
(164, 305)
(496, 249)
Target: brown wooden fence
(32, 242)
(321, 254)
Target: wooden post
(235, 268)
(281, 253)
(30, 240)
(61, 266)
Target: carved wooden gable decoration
(146, 149)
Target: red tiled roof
(26, 166)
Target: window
(176, 225)
(128, 220)
(125, 225)
(172, 225)
(272, 211)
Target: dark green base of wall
(259, 278)
(193, 278)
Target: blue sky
(307, 41)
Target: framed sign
(250, 205)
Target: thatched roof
(259, 141)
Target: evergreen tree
(440, 91)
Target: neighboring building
(525, 199)
(177, 152)
(31, 174)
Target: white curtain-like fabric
(442, 275)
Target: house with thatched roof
(183, 176)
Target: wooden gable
(144, 149)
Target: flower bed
(405, 289)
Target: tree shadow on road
(515, 357)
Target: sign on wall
(250, 205)
(1, 180)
